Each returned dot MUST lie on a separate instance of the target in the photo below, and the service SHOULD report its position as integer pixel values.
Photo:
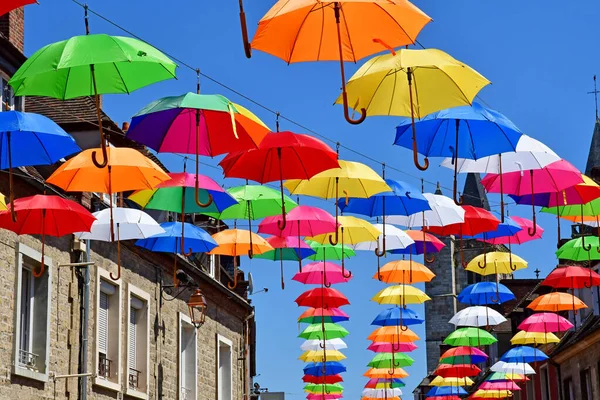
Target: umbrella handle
(349, 272)
(281, 224)
(331, 240)
(414, 128)
(99, 116)
(118, 276)
(235, 279)
(484, 259)
(458, 202)
(299, 265)
(247, 47)
(197, 196)
(403, 328)
(496, 299)
(382, 253)
(40, 272)
(533, 231)
(427, 259)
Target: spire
(438, 189)
(593, 161)
(474, 193)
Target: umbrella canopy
(482, 293)
(524, 354)
(444, 398)
(352, 231)
(439, 381)
(377, 383)
(520, 237)
(491, 394)
(286, 248)
(384, 373)
(197, 239)
(324, 396)
(545, 322)
(503, 385)
(322, 369)
(469, 337)
(322, 297)
(476, 220)
(321, 356)
(424, 243)
(572, 277)
(443, 212)
(318, 315)
(381, 393)
(319, 388)
(325, 379)
(130, 224)
(397, 316)
(496, 262)
(321, 273)
(582, 213)
(557, 301)
(395, 238)
(332, 344)
(581, 193)
(580, 249)
(324, 330)
(507, 228)
(393, 334)
(524, 337)
(391, 360)
(169, 195)
(446, 391)
(457, 371)
(505, 376)
(382, 347)
(400, 295)
(238, 242)
(405, 272)
(301, 221)
(477, 316)
(199, 124)
(463, 355)
(10, 5)
(513, 367)
(325, 251)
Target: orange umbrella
(383, 373)
(557, 301)
(238, 242)
(126, 169)
(344, 30)
(393, 334)
(405, 272)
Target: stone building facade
(75, 333)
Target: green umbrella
(578, 250)
(470, 337)
(327, 388)
(329, 252)
(315, 332)
(579, 213)
(387, 360)
(92, 65)
(454, 360)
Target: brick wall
(12, 26)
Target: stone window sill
(107, 384)
(136, 394)
(27, 373)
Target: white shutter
(132, 337)
(103, 324)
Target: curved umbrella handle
(589, 286)
(118, 276)
(182, 241)
(496, 299)
(403, 328)
(197, 198)
(427, 259)
(484, 258)
(246, 42)
(460, 201)
(99, 116)
(324, 276)
(414, 128)
(281, 224)
(349, 272)
(337, 192)
(533, 231)
(42, 268)
(235, 275)
(382, 253)
(104, 157)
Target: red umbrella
(572, 277)
(281, 156)
(46, 215)
(463, 351)
(477, 220)
(323, 380)
(323, 312)
(323, 298)
(9, 5)
(457, 371)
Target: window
(587, 296)
(32, 315)
(138, 345)
(211, 265)
(224, 347)
(545, 383)
(9, 101)
(187, 359)
(568, 389)
(108, 332)
(585, 377)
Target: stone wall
(571, 368)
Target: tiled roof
(72, 111)
(589, 326)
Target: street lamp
(197, 308)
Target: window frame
(585, 384)
(103, 275)
(133, 291)
(223, 340)
(568, 389)
(17, 102)
(185, 320)
(22, 251)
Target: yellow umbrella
(400, 295)
(439, 381)
(384, 373)
(523, 338)
(384, 86)
(3, 203)
(496, 262)
(492, 394)
(318, 356)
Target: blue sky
(540, 56)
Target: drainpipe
(246, 369)
(558, 375)
(83, 366)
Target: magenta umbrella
(545, 322)
(382, 347)
(554, 177)
(499, 385)
(321, 273)
(324, 396)
(520, 237)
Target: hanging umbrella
(376, 383)
(443, 398)
(545, 322)
(483, 293)
(470, 337)
(457, 371)
(557, 301)
(505, 385)
(305, 30)
(317, 388)
(46, 216)
(439, 381)
(324, 379)
(384, 86)
(477, 316)
(520, 237)
(400, 295)
(317, 356)
(382, 347)
(393, 334)
(316, 344)
(321, 273)
(196, 239)
(535, 338)
(286, 248)
(496, 262)
(326, 251)
(524, 354)
(92, 65)
(580, 249)
(31, 139)
(491, 394)
(384, 373)
(424, 243)
(10, 5)
(571, 277)
(513, 367)
(395, 238)
(463, 355)
(505, 376)
(507, 228)
(469, 132)
(328, 331)
(391, 360)
(322, 369)
(322, 297)
(381, 393)
(324, 396)
(554, 177)
(318, 315)
(130, 224)
(239, 242)
(352, 231)
(397, 316)
(405, 272)
(446, 391)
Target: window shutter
(132, 337)
(103, 324)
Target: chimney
(12, 27)
(125, 127)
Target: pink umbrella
(554, 177)
(520, 237)
(499, 385)
(321, 273)
(545, 322)
(381, 347)
(324, 396)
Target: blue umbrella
(483, 293)
(524, 354)
(461, 132)
(506, 228)
(28, 139)
(446, 391)
(396, 316)
(196, 239)
(324, 369)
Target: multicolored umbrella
(318, 315)
(463, 355)
(376, 383)
(444, 391)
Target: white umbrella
(129, 223)
(513, 368)
(395, 238)
(331, 344)
(381, 393)
(443, 212)
(477, 316)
